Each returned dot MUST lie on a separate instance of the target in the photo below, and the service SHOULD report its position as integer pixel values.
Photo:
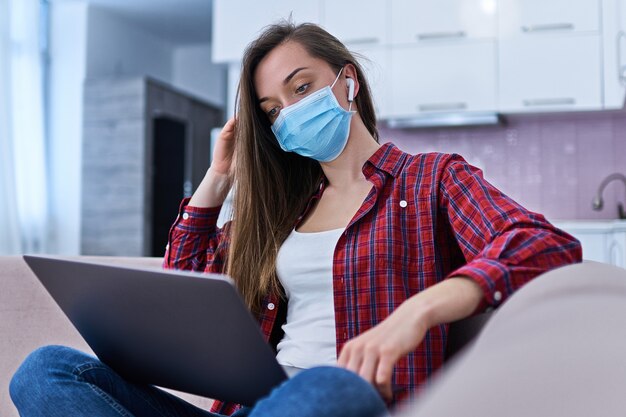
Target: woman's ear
(352, 81)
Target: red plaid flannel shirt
(428, 217)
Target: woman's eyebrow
(286, 80)
(293, 73)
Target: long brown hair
(273, 186)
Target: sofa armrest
(555, 347)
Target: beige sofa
(29, 318)
(555, 348)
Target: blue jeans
(60, 381)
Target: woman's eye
(302, 88)
(273, 112)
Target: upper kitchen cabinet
(614, 36)
(362, 25)
(374, 60)
(550, 55)
(550, 73)
(237, 23)
(525, 17)
(437, 79)
(443, 57)
(356, 22)
(458, 56)
(427, 21)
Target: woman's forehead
(281, 61)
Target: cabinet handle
(621, 68)
(548, 101)
(441, 106)
(362, 40)
(440, 35)
(548, 27)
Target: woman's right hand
(217, 181)
(224, 149)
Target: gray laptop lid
(187, 331)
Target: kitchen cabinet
(362, 26)
(614, 59)
(458, 56)
(442, 20)
(356, 22)
(550, 73)
(237, 23)
(522, 18)
(443, 57)
(550, 56)
(602, 241)
(375, 63)
(437, 78)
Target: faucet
(598, 203)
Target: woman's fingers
(382, 380)
(369, 357)
(224, 148)
(350, 357)
(228, 130)
(368, 370)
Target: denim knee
(334, 379)
(357, 396)
(30, 380)
(322, 391)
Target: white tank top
(305, 269)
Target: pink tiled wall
(551, 164)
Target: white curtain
(23, 192)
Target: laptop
(186, 331)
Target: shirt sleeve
(195, 242)
(504, 244)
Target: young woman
(353, 255)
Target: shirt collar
(387, 158)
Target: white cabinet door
(375, 63)
(237, 23)
(443, 78)
(614, 43)
(529, 17)
(621, 47)
(550, 73)
(617, 249)
(595, 246)
(441, 20)
(356, 22)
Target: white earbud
(350, 82)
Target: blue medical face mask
(316, 126)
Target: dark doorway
(169, 167)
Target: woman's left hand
(374, 353)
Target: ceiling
(178, 21)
